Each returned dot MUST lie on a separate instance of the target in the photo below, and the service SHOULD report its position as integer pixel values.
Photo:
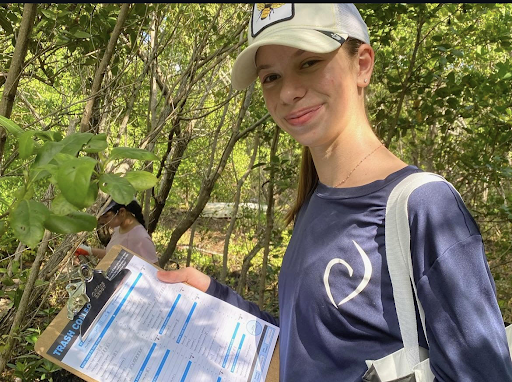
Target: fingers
(177, 276)
(187, 275)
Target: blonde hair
(308, 177)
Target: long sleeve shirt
(336, 301)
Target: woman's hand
(188, 275)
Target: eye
(269, 78)
(309, 63)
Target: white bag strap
(398, 253)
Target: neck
(355, 162)
(347, 159)
(128, 224)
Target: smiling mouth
(302, 115)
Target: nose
(292, 89)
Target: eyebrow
(295, 55)
(261, 67)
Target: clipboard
(62, 331)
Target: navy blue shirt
(335, 298)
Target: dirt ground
(65, 376)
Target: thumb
(188, 275)
(176, 276)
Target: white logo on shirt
(364, 282)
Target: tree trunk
(168, 178)
(191, 243)
(209, 183)
(189, 77)
(100, 72)
(246, 264)
(13, 77)
(406, 81)
(232, 222)
(270, 219)
(174, 154)
(24, 302)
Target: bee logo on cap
(265, 15)
(267, 8)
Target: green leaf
(15, 267)
(49, 14)
(10, 126)
(27, 221)
(41, 172)
(7, 281)
(73, 143)
(31, 338)
(49, 135)
(74, 178)
(63, 13)
(26, 144)
(96, 144)
(119, 188)
(62, 40)
(60, 206)
(81, 34)
(5, 24)
(453, 102)
(141, 180)
(457, 53)
(132, 153)
(47, 152)
(61, 159)
(92, 194)
(72, 223)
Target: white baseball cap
(318, 28)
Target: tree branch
(100, 73)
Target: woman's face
(111, 219)
(311, 96)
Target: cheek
(270, 103)
(328, 83)
(113, 222)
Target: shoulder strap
(398, 254)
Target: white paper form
(153, 331)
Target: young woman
(129, 229)
(336, 306)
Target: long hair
(308, 177)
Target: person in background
(129, 229)
(314, 62)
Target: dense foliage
(135, 100)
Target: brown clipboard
(51, 334)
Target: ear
(366, 61)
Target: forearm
(464, 326)
(99, 252)
(228, 295)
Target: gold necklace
(357, 165)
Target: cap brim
(244, 69)
(109, 207)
